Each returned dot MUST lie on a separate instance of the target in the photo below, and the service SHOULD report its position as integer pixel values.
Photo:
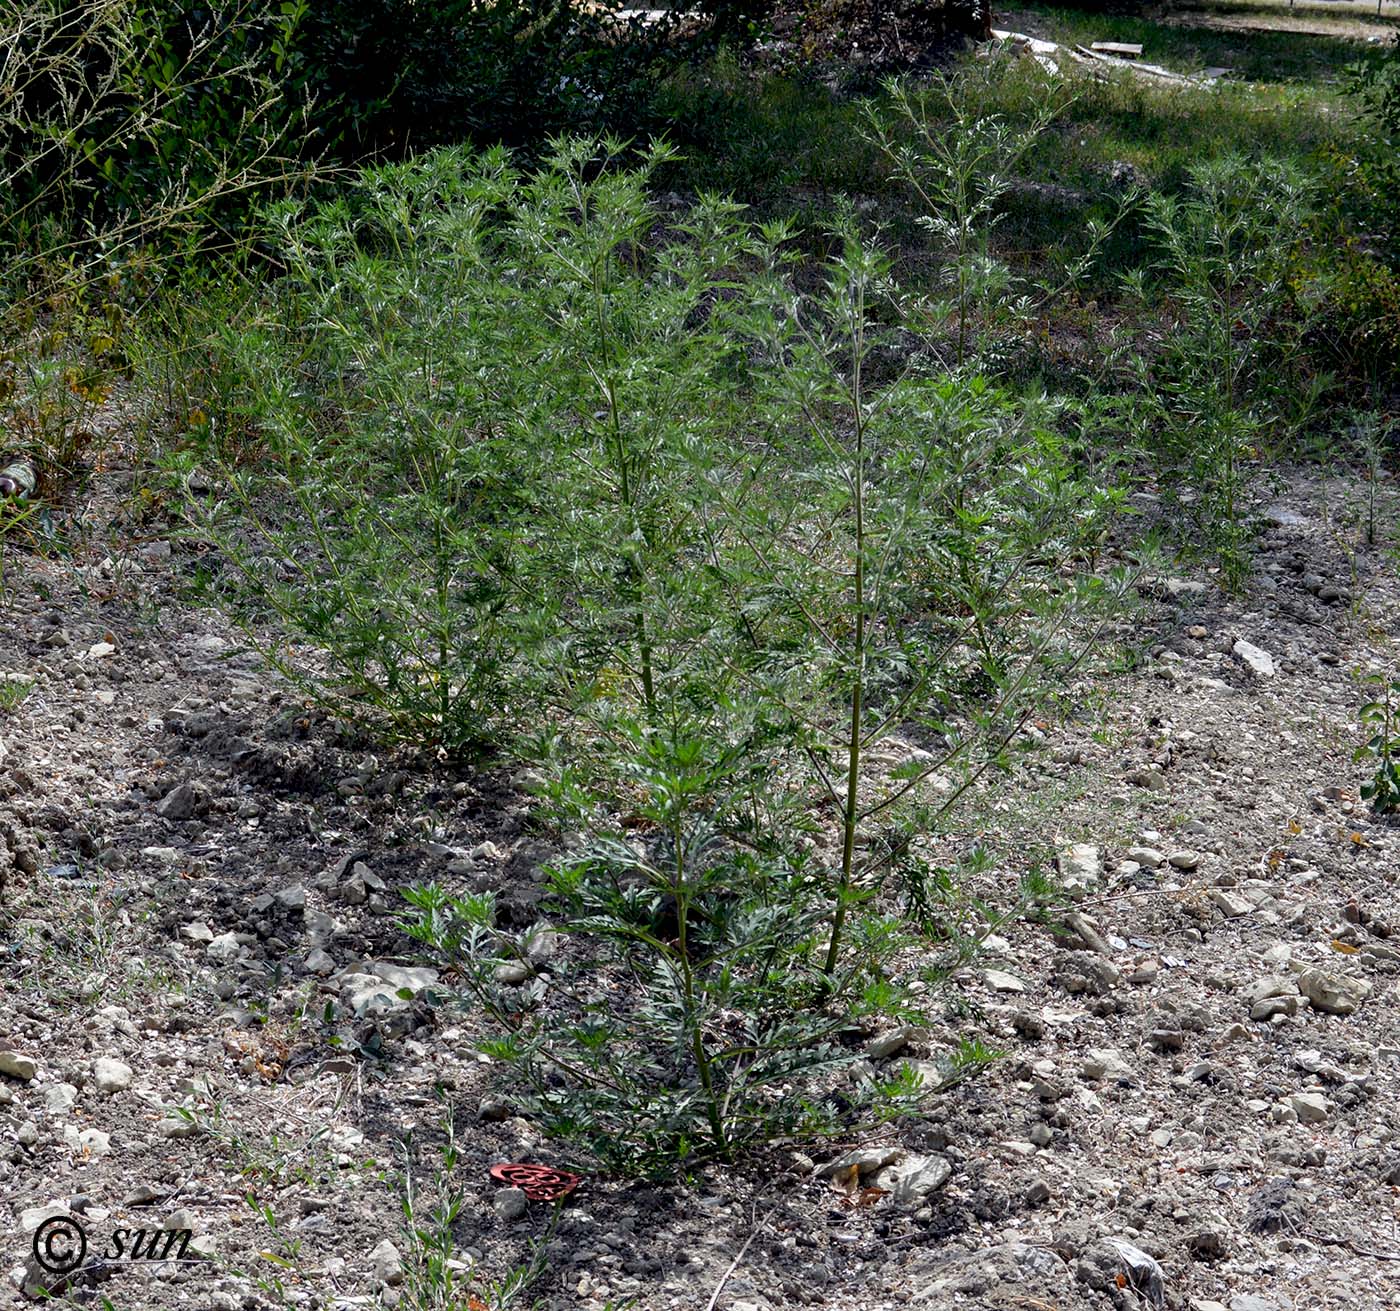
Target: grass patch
(1203, 38)
(790, 146)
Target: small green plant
(895, 561)
(14, 688)
(1211, 404)
(960, 162)
(434, 1283)
(435, 1276)
(1382, 790)
(1369, 440)
(48, 408)
(379, 527)
(12, 519)
(960, 166)
(714, 1023)
(287, 1255)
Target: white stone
(1104, 1063)
(1334, 994)
(1310, 1108)
(59, 1098)
(110, 1075)
(1001, 981)
(367, 993)
(510, 1203)
(1230, 904)
(1274, 985)
(1081, 868)
(31, 1218)
(386, 1263)
(914, 1179)
(512, 972)
(1144, 971)
(18, 1066)
(224, 948)
(1259, 662)
(415, 978)
(885, 1044)
(93, 1142)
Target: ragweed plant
(960, 163)
(381, 525)
(1224, 269)
(482, 398)
(702, 1019)
(902, 571)
(760, 586)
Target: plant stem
(851, 807)
(680, 892)
(627, 492)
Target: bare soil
(1136, 1099)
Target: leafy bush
(1376, 87)
(379, 524)
(759, 588)
(123, 124)
(1225, 259)
(471, 354)
(1352, 258)
(1356, 326)
(960, 162)
(130, 133)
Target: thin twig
(1331, 1241)
(734, 1265)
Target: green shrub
(1356, 328)
(480, 403)
(1350, 261)
(756, 585)
(1376, 88)
(164, 122)
(379, 523)
(1211, 394)
(960, 163)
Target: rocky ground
(210, 1019)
